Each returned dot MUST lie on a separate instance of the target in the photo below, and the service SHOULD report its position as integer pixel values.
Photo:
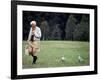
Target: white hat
(33, 22)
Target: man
(34, 40)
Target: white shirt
(37, 34)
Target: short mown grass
(51, 52)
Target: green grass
(52, 51)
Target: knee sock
(34, 59)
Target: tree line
(58, 26)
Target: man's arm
(29, 36)
(37, 34)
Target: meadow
(51, 53)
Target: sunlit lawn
(52, 51)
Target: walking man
(34, 41)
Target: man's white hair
(33, 22)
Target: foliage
(58, 26)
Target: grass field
(52, 51)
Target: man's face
(33, 26)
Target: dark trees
(58, 26)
